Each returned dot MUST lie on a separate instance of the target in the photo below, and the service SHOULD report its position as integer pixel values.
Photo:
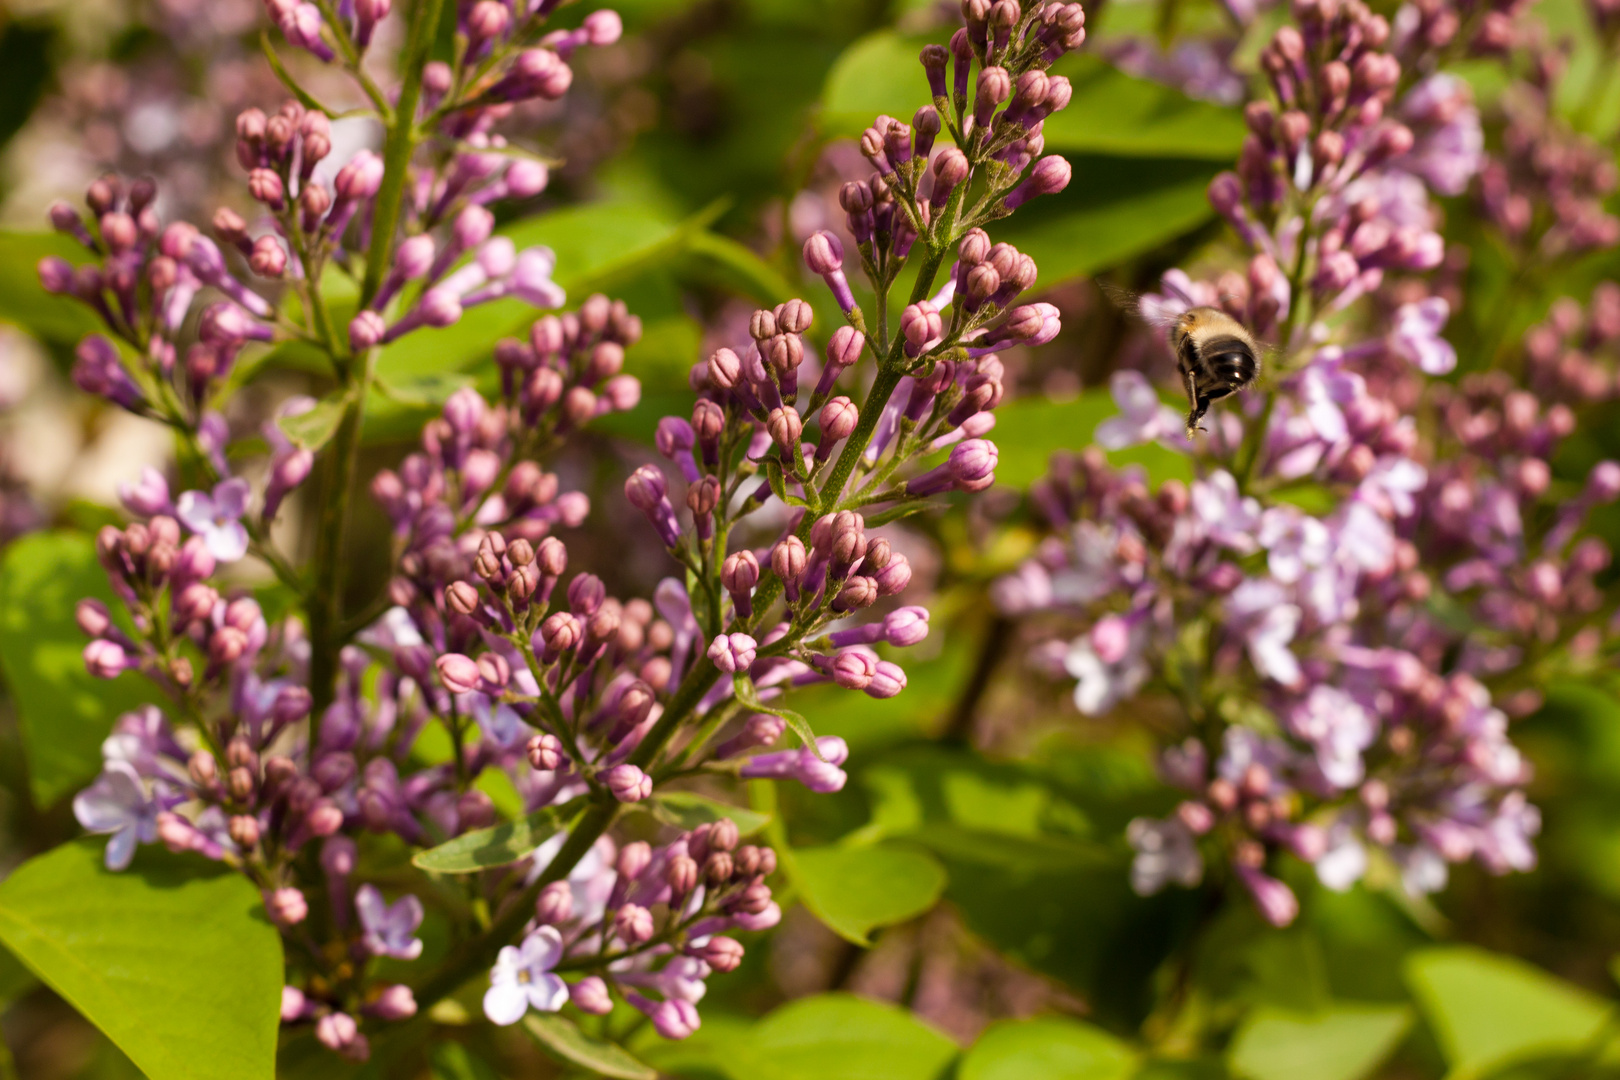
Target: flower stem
(326, 602)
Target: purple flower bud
(627, 783)
(887, 681)
(905, 626)
(673, 1019)
(458, 673)
(106, 659)
(921, 326)
(739, 574)
(93, 617)
(395, 1002)
(360, 178)
(789, 560)
(854, 668)
(1603, 482)
(1050, 176)
(555, 904)
(546, 753)
(733, 653)
(366, 331)
(633, 924)
(590, 995)
(723, 954)
(287, 907)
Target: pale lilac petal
(506, 1004)
(227, 543)
(121, 849)
(548, 993)
(230, 499)
(195, 511)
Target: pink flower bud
(627, 783)
(458, 673)
(887, 680)
(105, 659)
(590, 995)
(733, 653)
(286, 907)
(395, 1002)
(555, 904)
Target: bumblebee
(1217, 357)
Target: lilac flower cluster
(306, 733)
(1338, 598)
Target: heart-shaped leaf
(173, 959)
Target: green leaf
(24, 301)
(841, 1036)
(173, 959)
(1114, 113)
(735, 266)
(1114, 209)
(853, 890)
(65, 713)
(596, 245)
(1052, 1048)
(563, 1038)
(880, 73)
(453, 1061)
(314, 429)
(498, 845)
(15, 979)
(1488, 1010)
(1343, 1042)
(1030, 430)
(687, 810)
(1110, 113)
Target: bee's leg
(1200, 407)
(1195, 406)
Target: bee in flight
(1216, 354)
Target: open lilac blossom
(118, 803)
(1142, 416)
(522, 978)
(216, 517)
(389, 928)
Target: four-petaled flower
(389, 928)
(1142, 416)
(522, 977)
(118, 803)
(217, 517)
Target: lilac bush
(285, 745)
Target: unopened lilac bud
(394, 1002)
(561, 632)
(858, 592)
(838, 419)
(105, 659)
(93, 617)
(785, 428)
(905, 626)
(366, 331)
(286, 907)
(887, 681)
(853, 669)
(789, 560)
(994, 87)
(681, 875)
(738, 575)
(721, 953)
(733, 653)
(586, 594)
(546, 753)
(555, 904)
(590, 995)
(458, 673)
(1603, 482)
(627, 783)
(1050, 176)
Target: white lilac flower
(523, 977)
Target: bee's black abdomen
(1230, 361)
